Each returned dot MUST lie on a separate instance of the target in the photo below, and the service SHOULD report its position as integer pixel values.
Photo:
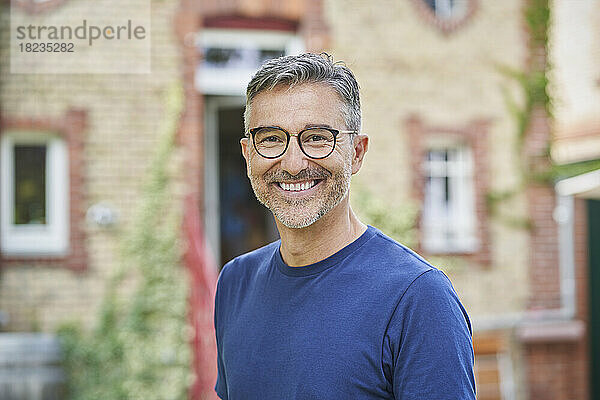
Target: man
(335, 309)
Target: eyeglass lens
(314, 142)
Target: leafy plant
(140, 346)
(534, 87)
(395, 220)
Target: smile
(298, 186)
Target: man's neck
(325, 237)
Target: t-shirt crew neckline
(322, 265)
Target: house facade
(443, 103)
(574, 54)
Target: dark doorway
(244, 224)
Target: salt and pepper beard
(291, 212)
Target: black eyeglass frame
(334, 132)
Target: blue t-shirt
(372, 321)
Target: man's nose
(294, 160)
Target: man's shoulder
(250, 262)
(385, 252)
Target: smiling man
(335, 309)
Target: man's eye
(271, 139)
(316, 138)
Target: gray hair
(308, 68)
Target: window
(449, 213)
(231, 56)
(448, 9)
(446, 15)
(224, 58)
(34, 201)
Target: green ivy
(140, 346)
(533, 83)
(537, 17)
(534, 87)
(397, 221)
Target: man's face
(297, 189)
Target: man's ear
(361, 145)
(245, 152)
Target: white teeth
(296, 187)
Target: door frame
(212, 209)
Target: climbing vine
(396, 221)
(533, 85)
(140, 346)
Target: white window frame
(445, 10)
(35, 240)
(450, 227)
(233, 81)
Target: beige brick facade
(418, 77)
(124, 112)
(406, 67)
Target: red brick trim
(544, 270)
(446, 26)
(239, 22)
(33, 7)
(474, 134)
(71, 126)
(190, 133)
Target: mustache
(305, 174)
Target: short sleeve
(428, 346)
(221, 385)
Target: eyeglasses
(315, 142)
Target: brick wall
(123, 112)
(555, 353)
(555, 372)
(544, 272)
(406, 67)
(558, 364)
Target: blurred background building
(482, 114)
